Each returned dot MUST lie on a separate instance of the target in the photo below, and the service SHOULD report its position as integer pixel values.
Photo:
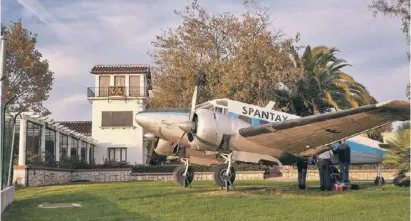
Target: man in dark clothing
(344, 156)
(302, 166)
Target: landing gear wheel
(379, 180)
(220, 176)
(182, 180)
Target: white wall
(7, 197)
(131, 138)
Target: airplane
(223, 132)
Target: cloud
(71, 108)
(86, 33)
(75, 35)
(375, 47)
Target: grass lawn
(252, 200)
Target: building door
(104, 83)
(135, 86)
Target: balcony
(116, 91)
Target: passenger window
(219, 109)
(263, 122)
(245, 118)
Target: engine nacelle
(164, 147)
(212, 130)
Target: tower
(120, 92)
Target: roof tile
(83, 127)
(120, 68)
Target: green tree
(400, 148)
(397, 8)
(28, 75)
(240, 56)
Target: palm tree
(324, 84)
(400, 149)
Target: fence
(7, 147)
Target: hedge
(196, 168)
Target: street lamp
(2, 77)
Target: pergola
(58, 137)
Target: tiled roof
(120, 68)
(83, 127)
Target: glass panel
(63, 145)
(50, 145)
(83, 154)
(111, 154)
(74, 147)
(91, 153)
(124, 156)
(33, 141)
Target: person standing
(344, 156)
(324, 162)
(302, 173)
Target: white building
(120, 92)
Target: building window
(134, 89)
(245, 118)
(117, 119)
(119, 81)
(63, 145)
(83, 150)
(50, 144)
(74, 147)
(91, 154)
(117, 154)
(33, 141)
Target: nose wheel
(224, 175)
(184, 175)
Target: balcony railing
(116, 91)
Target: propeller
(190, 125)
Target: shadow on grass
(286, 189)
(93, 208)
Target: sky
(75, 35)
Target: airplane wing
(303, 135)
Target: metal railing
(116, 91)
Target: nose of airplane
(142, 119)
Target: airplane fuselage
(221, 119)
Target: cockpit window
(245, 118)
(206, 106)
(218, 109)
(222, 102)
